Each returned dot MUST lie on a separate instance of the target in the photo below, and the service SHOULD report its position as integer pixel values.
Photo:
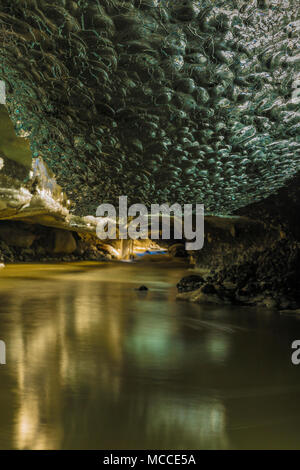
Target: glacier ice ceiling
(163, 101)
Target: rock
(15, 236)
(190, 283)
(287, 304)
(40, 251)
(178, 250)
(208, 289)
(64, 242)
(82, 247)
(201, 297)
(268, 276)
(28, 252)
(269, 302)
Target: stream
(92, 363)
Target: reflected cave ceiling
(162, 101)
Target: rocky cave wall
(257, 264)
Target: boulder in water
(142, 288)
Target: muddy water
(92, 363)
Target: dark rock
(64, 242)
(208, 289)
(190, 283)
(142, 288)
(178, 250)
(15, 235)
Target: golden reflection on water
(92, 363)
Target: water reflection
(92, 363)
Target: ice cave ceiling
(163, 101)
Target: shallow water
(92, 363)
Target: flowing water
(94, 364)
